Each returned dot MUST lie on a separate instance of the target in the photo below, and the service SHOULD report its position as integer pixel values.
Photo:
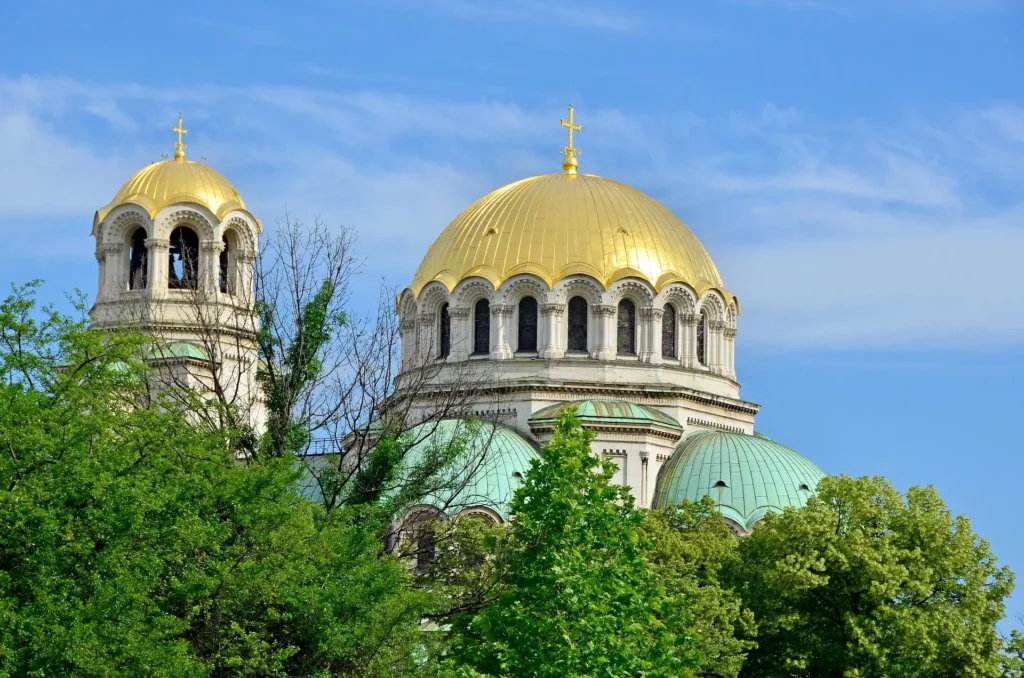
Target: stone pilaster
(604, 346)
(501, 328)
(649, 340)
(552, 330)
(688, 341)
(158, 251)
(461, 339)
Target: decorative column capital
(408, 325)
(604, 310)
(211, 246)
(502, 310)
(158, 244)
(717, 325)
(730, 332)
(689, 318)
(555, 310)
(652, 313)
(458, 313)
(426, 319)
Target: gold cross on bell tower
(569, 153)
(179, 148)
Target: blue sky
(855, 168)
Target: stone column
(644, 458)
(461, 342)
(650, 349)
(428, 347)
(604, 346)
(551, 346)
(112, 280)
(407, 331)
(157, 250)
(209, 266)
(730, 352)
(715, 357)
(688, 344)
(501, 348)
(244, 264)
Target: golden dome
(557, 225)
(173, 181)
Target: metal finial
(179, 148)
(570, 153)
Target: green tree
(865, 582)
(578, 597)
(691, 547)
(133, 544)
(1013, 654)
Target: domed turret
(746, 475)
(496, 461)
(176, 248)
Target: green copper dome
(746, 475)
(607, 412)
(496, 461)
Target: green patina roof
(487, 477)
(484, 477)
(746, 475)
(608, 412)
(178, 349)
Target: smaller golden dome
(173, 181)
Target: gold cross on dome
(179, 148)
(570, 150)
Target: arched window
(668, 332)
(527, 325)
(702, 332)
(627, 327)
(137, 256)
(183, 263)
(224, 268)
(482, 327)
(446, 331)
(577, 324)
(426, 547)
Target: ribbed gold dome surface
(172, 181)
(557, 225)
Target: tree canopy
(578, 596)
(866, 582)
(136, 544)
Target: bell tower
(176, 249)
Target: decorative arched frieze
(199, 219)
(468, 291)
(684, 298)
(484, 513)
(245, 229)
(122, 221)
(639, 292)
(713, 304)
(431, 298)
(579, 286)
(524, 285)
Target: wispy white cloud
(833, 233)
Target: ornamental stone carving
(553, 310)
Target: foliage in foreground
(578, 596)
(135, 545)
(691, 548)
(864, 582)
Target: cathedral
(559, 289)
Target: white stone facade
(214, 313)
(696, 388)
